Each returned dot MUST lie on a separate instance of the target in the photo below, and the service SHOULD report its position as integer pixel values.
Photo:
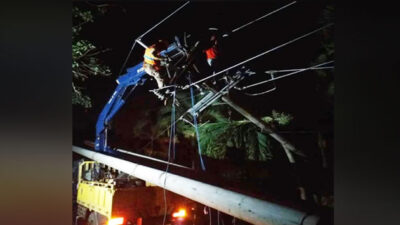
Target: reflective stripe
(147, 57)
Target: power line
(261, 54)
(262, 17)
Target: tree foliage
(85, 61)
(327, 52)
(218, 133)
(223, 135)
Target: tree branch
(99, 52)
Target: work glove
(164, 61)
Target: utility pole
(287, 146)
(247, 208)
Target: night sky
(296, 95)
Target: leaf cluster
(85, 61)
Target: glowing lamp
(180, 214)
(116, 221)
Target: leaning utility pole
(287, 146)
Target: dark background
(36, 131)
(296, 95)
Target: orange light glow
(180, 214)
(116, 221)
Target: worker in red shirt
(212, 52)
(153, 61)
(212, 55)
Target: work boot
(214, 81)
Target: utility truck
(106, 196)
